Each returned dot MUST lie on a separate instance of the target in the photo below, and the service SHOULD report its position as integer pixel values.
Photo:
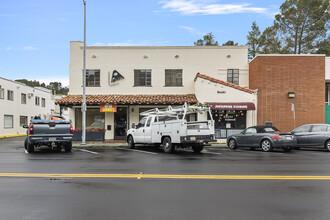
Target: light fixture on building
(145, 56)
(291, 94)
(228, 56)
(94, 56)
(176, 56)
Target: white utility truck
(169, 128)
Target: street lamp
(83, 107)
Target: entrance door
(120, 121)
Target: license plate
(288, 137)
(52, 139)
(193, 139)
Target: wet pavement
(162, 198)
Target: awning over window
(233, 106)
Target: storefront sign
(108, 108)
(233, 106)
(221, 92)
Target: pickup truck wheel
(197, 148)
(130, 142)
(25, 143)
(167, 145)
(30, 148)
(68, 147)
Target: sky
(36, 34)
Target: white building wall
(327, 69)
(212, 61)
(17, 109)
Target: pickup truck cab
(52, 133)
(171, 130)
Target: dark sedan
(313, 135)
(265, 137)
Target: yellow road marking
(166, 176)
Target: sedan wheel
(266, 145)
(232, 144)
(327, 145)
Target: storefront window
(94, 119)
(229, 119)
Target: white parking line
(141, 151)
(212, 153)
(88, 151)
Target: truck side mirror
(26, 126)
(133, 125)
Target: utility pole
(83, 107)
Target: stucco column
(109, 120)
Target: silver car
(313, 135)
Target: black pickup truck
(52, 133)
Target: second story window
(142, 77)
(23, 98)
(10, 95)
(37, 101)
(2, 93)
(93, 78)
(233, 76)
(43, 102)
(173, 77)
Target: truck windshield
(141, 122)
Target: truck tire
(130, 142)
(68, 147)
(26, 143)
(197, 148)
(167, 145)
(30, 148)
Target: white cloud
(29, 48)
(8, 48)
(195, 7)
(192, 30)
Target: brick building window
(142, 77)
(233, 76)
(173, 77)
(92, 78)
(23, 98)
(10, 95)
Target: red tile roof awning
(128, 99)
(233, 106)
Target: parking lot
(145, 183)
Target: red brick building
(276, 75)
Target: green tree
(254, 41)
(303, 23)
(208, 40)
(270, 41)
(230, 43)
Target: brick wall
(275, 76)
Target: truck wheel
(197, 148)
(30, 148)
(25, 143)
(130, 142)
(167, 145)
(68, 147)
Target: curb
(12, 135)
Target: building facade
(19, 103)
(121, 82)
(290, 89)
(327, 90)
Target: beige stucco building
(134, 79)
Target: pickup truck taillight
(71, 129)
(31, 129)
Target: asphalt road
(58, 194)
